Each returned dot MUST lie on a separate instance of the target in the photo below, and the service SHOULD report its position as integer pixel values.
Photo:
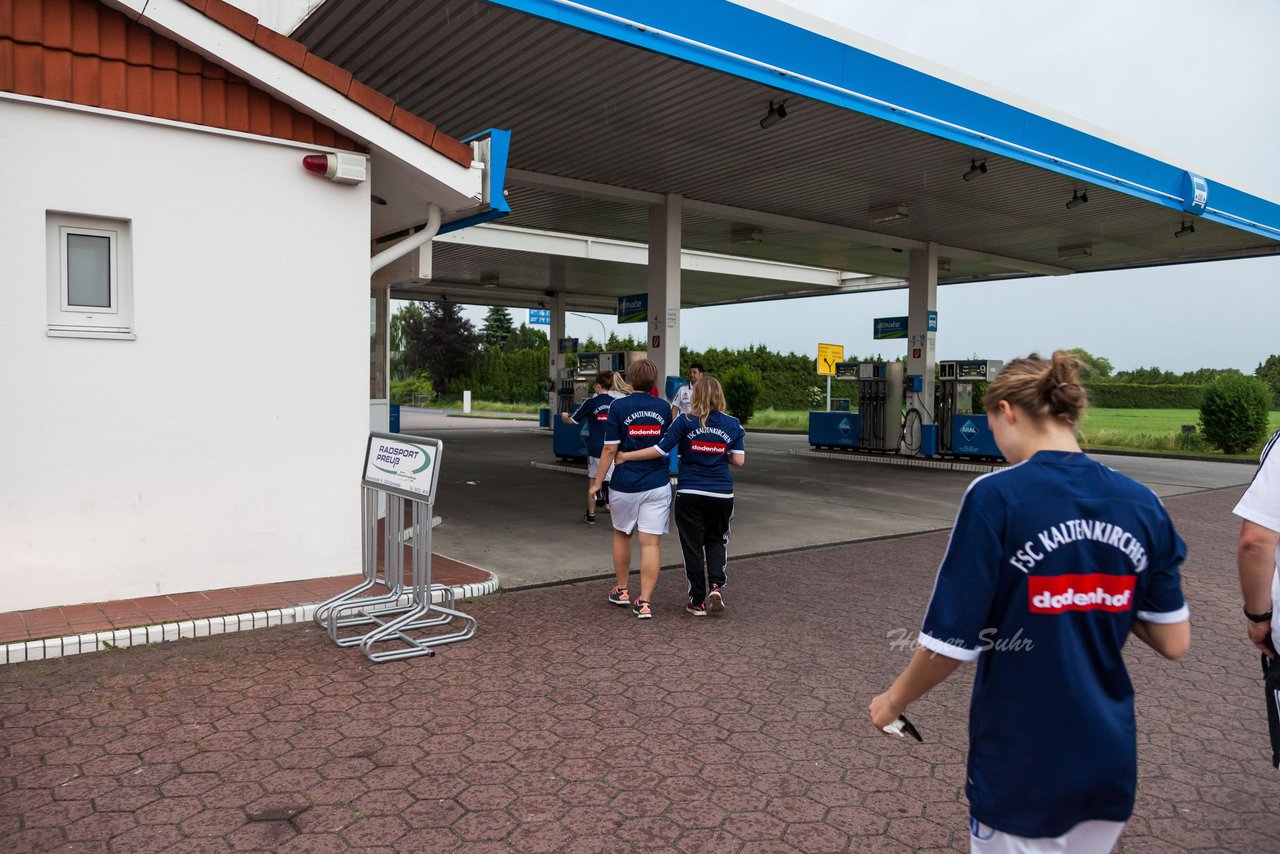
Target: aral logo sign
(845, 427)
(1057, 594)
(968, 430)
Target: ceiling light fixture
(1077, 199)
(1187, 228)
(889, 213)
(1078, 251)
(376, 199)
(746, 234)
(977, 168)
(777, 112)
(489, 281)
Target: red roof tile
(371, 99)
(70, 50)
(414, 125)
(235, 19)
(287, 49)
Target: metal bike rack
(403, 470)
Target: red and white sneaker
(698, 609)
(715, 600)
(619, 596)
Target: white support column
(664, 287)
(557, 359)
(922, 281)
(380, 358)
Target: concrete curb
(561, 467)
(1199, 458)
(895, 460)
(36, 650)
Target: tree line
(437, 351)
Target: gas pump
(569, 441)
(880, 405)
(961, 431)
(839, 428)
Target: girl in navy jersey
(1053, 562)
(640, 494)
(708, 440)
(594, 412)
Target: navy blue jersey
(704, 452)
(594, 412)
(635, 422)
(1048, 566)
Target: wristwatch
(1257, 618)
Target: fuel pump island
(871, 419)
(569, 441)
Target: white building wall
(223, 446)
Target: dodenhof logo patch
(1057, 594)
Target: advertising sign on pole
(896, 327)
(633, 309)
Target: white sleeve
(1261, 501)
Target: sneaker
(641, 609)
(698, 609)
(589, 518)
(619, 596)
(715, 600)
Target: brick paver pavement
(568, 725)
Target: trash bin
(544, 417)
(393, 419)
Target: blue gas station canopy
(801, 144)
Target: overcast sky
(1194, 81)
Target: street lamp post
(604, 333)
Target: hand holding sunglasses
(903, 728)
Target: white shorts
(593, 468)
(649, 511)
(1087, 837)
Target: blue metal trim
(476, 219)
(496, 168)
(721, 35)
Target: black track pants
(703, 522)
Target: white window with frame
(90, 277)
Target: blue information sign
(633, 309)
(540, 316)
(896, 327)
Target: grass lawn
(1153, 430)
(1158, 430)
(485, 406)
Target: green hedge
(516, 377)
(1107, 395)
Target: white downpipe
(410, 243)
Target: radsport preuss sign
(407, 468)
